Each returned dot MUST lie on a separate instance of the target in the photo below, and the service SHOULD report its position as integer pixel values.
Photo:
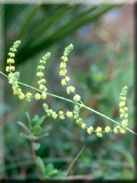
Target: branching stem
(74, 160)
(71, 101)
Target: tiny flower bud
(69, 114)
(54, 115)
(21, 96)
(40, 74)
(37, 96)
(62, 72)
(76, 98)
(107, 129)
(67, 78)
(90, 130)
(44, 95)
(28, 96)
(70, 89)
(62, 65)
(63, 82)
(83, 125)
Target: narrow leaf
(23, 126)
(27, 22)
(36, 145)
(41, 120)
(41, 165)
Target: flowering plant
(41, 93)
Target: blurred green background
(100, 65)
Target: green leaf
(36, 130)
(44, 135)
(89, 16)
(28, 21)
(29, 137)
(35, 119)
(28, 118)
(41, 165)
(41, 120)
(11, 11)
(42, 29)
(36, 145)
(23, 126)
(50, 171)
(53, 172)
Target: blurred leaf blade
(27, 22)
(23, 126)
(41, 29)
(61, 33)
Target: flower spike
(41, 93)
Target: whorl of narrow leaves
(65, 79)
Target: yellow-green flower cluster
(76, 98)
(16, 89)
(15, 86)
(63, 65)
(61, 114)
(83, 125)
(42, 94)
(42, 81)
(28, 96)
(90, 129)
(80, 122)
(70, 89)
(75, 114)
(76, 111)
(11, 68)
(123, 110)
(40, 72)
(65, 81)
(118, 129)
(69, 114)
(52, 113)
(98, 130)
(14, 76)
(63, 71)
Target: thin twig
(34, 156)
(75, 159)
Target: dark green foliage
(94, 67)
(41, 22)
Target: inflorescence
(13, 77)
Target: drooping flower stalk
(41, 94)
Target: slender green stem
(3, 74)
(34, 156)
(104, 116)
(71, 101)
(50, 94)
(75, 159)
